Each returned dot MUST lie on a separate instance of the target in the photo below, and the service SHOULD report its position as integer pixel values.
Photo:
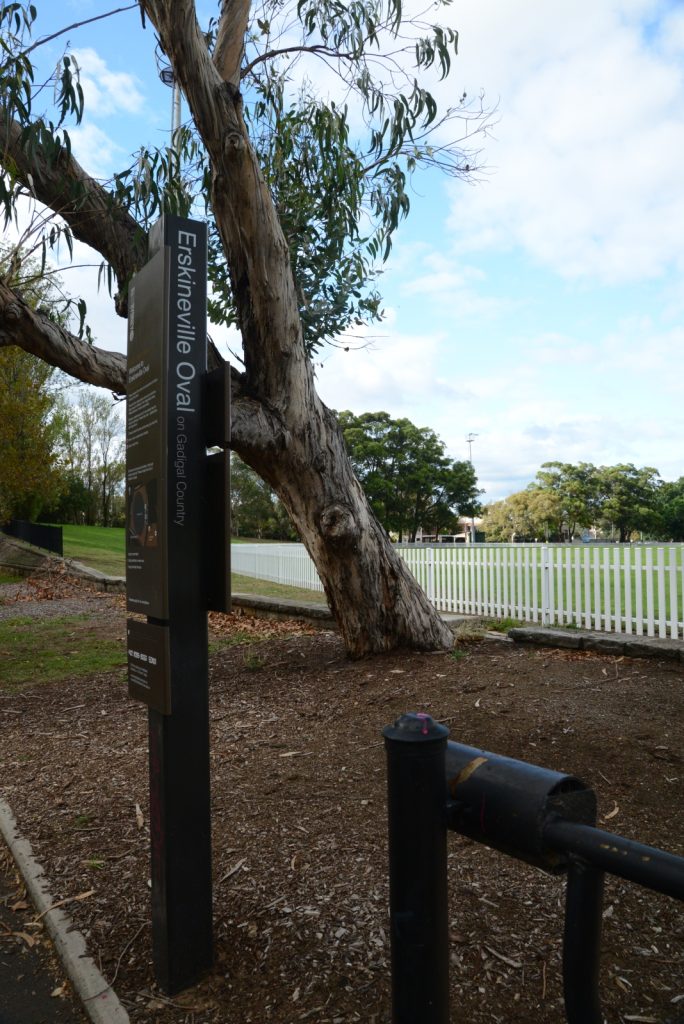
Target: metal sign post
(169, 578)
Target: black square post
(166, 576)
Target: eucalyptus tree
(301, 213)
(407, 476)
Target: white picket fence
(615, 588)
(289, 564)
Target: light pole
(168, 78)
(469, 441)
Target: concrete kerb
(618, 644)
(98, 998)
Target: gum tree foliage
(671, 510)
(407, 476)
(629, 500)
(576, 490)
(301, 213)
(529, 515)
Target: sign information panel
(146, 533)
(148, 664)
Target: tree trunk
(376, 601)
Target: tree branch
(230, 40)
(36, 333)
(257, 430)
(324, 51)
(90, 210)
(256, 250)
(77, 24)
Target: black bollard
(417, 795)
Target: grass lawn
(248, 585)
(9, 577)
(100, 547)
(54, 649)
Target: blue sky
(541, 309)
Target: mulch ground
(299, 822)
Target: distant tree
(576, 492)
(32, 465)
(523, 516)
(31, 470)
(406, 474)
(92, 435)
(254, 509)
(110, 454)
(629, 499)
(546, 514)
(671, 510)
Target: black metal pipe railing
(655, 869)
(582, 943)
(543, 817)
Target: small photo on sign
(143, 524)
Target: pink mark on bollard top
(424, 717)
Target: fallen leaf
(611, 814)
(231, 872)
(140, 820)
(466, 772)
(69, 899)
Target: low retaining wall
(618, 644)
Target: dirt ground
(299, 823)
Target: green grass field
(103, 548)
(100, 547)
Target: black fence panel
(47, 537)
(543, 817)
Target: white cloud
(590, 144)
(94, 149)
(106, 91)
(399, 373)
(550, 396)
